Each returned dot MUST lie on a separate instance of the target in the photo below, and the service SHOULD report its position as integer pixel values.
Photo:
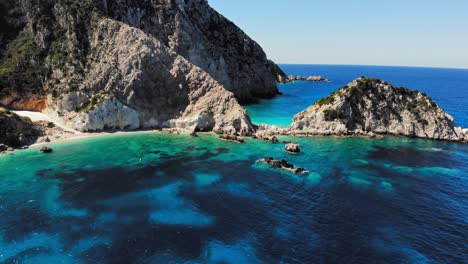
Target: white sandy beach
(38, 116)
(71, 134)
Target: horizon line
(376, 65)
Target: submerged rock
(300, 170)
(232, 138)
(272, 138)
(374, 107)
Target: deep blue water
(160, 198)
(448, 87)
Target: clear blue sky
(373, 32)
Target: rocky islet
(369, 106)
(293, 78)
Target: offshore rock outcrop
(292, 148)
(283, 164)
(292, 78)
(371, 106)
(131, 64)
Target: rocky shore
(365, 108)
(16, 131)
(20, 131)
(373, 108)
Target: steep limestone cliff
(207, 39)
(368, 106)
(136, 81)
(132, 64)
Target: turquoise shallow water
(448, 87)
(159, 198)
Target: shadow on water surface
(195, 207)
(119, 203)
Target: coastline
(66, 134)
(61, 133)
(83, 136)
(87, 135)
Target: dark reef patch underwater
(160, 198)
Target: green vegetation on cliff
(20, 70)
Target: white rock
(148, 85)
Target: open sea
(448, 88)
(159, 198)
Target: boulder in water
(283, 164)
(300, 170)
(287, 165)
(46, 149)
(292, 148)
(271, 138)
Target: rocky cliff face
(16, 131)
(367, 106)
(137, 81)
(201, 35)
(132, 64)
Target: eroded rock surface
(372, 106)
(292, 148)
(96, 65)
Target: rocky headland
(19, 131)
(124, 65)
(374, 107)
